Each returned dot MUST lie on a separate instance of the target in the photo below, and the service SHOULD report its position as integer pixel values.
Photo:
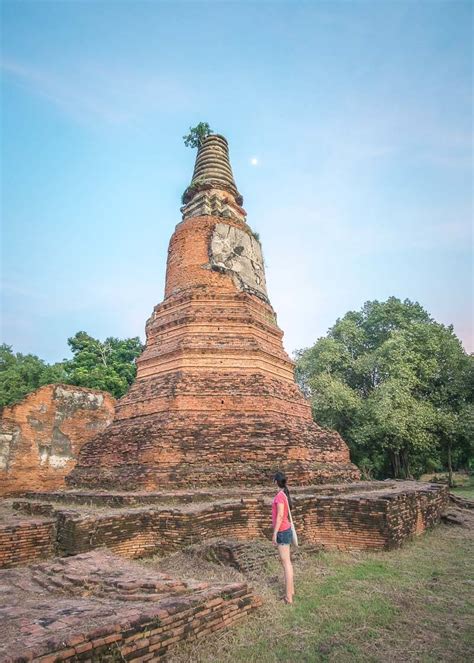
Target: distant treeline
(397, 386)
(108, 365)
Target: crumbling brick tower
(215, 400)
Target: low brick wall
(370, 519)
(143, 532)
(25, 541)
(152, 633)
(376, 519)
(412, 512)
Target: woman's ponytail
(280, 478)
(287, 493)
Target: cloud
(109, 94)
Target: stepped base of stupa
(176, 449)
(215, 398)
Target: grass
(464, 488)
(463, 483)
(412, 604)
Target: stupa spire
(213, 190)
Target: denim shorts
(285, 537)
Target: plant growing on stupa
(196, 134)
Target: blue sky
(359, 114)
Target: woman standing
(282, 534)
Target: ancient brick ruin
(362, 515)
(95, 607)
(40, 437)
(215, 399)
(184, 466)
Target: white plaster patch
(79, 398)
(5, 445)
(48, 457)
(235, 251)
(58, 461)
(8, 439)
(44, 455)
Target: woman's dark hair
(280, 478)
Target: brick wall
(96, 607)
(374, 520)
(41, 436)
(25, 541)
(411, 513)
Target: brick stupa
(215, 399)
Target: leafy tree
(21, 374)
(108, 365)
(396, 384)
(196, 134)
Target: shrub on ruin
(196, 134)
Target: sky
(349, 126)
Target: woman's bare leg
(285, 558)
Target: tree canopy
(108, 365)
(397, 385)
(21, 374)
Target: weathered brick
(42, 435)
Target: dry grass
(185, 566)
(413, 604)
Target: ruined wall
(41, 436)
(26, 541)
(372, 520)
(97, 607)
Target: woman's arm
(278, 521)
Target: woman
(282, 534)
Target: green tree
(196, 134)
(108, 365)
(21, 374)
(396, 384)
(454, 410)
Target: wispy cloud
(105, 93)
